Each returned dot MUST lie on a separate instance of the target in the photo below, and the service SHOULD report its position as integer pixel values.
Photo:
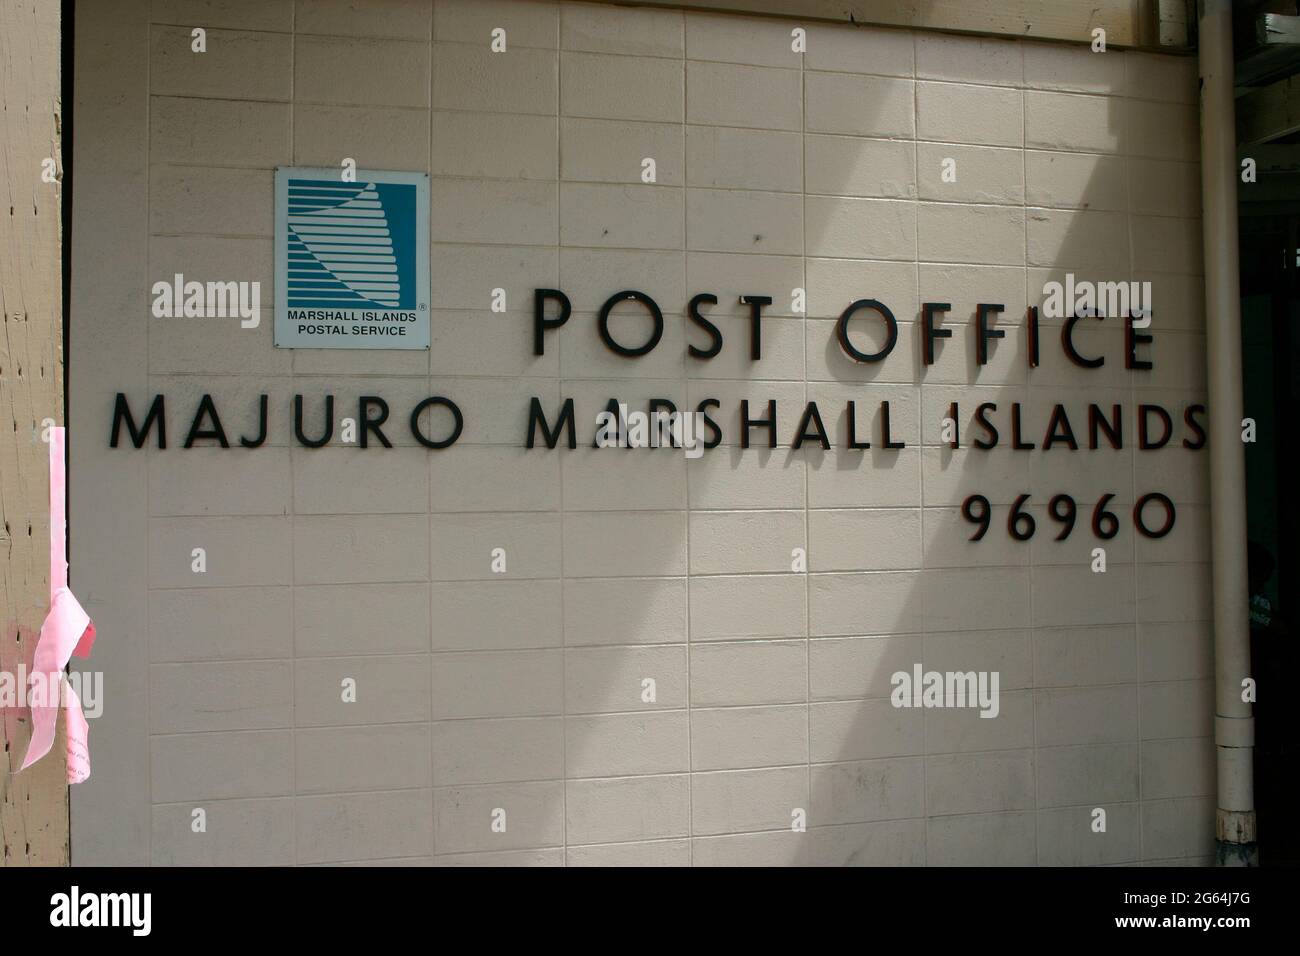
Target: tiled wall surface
(523, 691)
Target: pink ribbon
(67, 630)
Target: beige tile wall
(522, 691)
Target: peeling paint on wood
(34, 804)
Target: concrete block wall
(522, 691)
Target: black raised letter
(853, 427)
(982, 312)
(261, 421)
(1067, 343)
(1144, 439)
(981, 418)
(1016, 443)
(1031, 324)
(703, 409)
(842, 331)
(755, 303)
(329, 422)
(1189, 416)
(538, 417)
(1058, 429)
(122, 413)
(540, 322)
(208, 410)
(928, 312)
(746, 423)
(811, 417)
(659, 424)
(633, 296)
(1114, 428)
(368, 423)
(884, 428)
(452, 407)
(1132, 339)
(715, 335)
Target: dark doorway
(1271, 366)
(1267, 47)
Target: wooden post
(33, 804)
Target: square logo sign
(351, 260)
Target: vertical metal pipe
(1234, 729)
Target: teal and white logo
(352, 260)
